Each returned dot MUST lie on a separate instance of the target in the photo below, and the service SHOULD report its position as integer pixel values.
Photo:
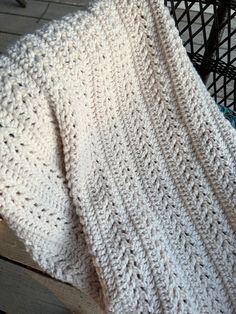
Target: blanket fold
(111, 172)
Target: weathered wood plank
(33, 9)
(38, 9)
(81, 3)
(24, 292)
(56, 11)
(6, 40)
(20, 293)
(13, 249)
(19, 25)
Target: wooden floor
(26, 289)
(16, 21)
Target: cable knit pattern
(112, 173)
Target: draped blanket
(117, 169)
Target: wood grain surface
(25, 288)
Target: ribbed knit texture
(112, 173)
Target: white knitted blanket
(118, 171)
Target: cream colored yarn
(117, 169)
